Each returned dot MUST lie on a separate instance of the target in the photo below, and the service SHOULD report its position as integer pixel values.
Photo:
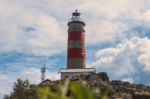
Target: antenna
(43, 70)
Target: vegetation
(21, 90)
(56, 90)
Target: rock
(103, 76)
(92, 77)
(141, 96)
(116, 89)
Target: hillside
(95, 86)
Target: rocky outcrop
(117, 89)
(127, 87)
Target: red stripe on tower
(76, 42)
(76, 52)
(77, 35)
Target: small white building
(72, 73)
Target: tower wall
(76, 45)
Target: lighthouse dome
(76, 18)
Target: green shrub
(71, 90)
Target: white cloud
(129, 60)
(32, 74)
(104, 30)
(6, 83)
(128, 79)
(46, 38)
(4, 77)
(106, 20)
(110, 19)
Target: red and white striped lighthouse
(76, 42)
(76, 63)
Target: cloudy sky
(32, 31)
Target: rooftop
(77, 70)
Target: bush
(71, 90)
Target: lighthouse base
(73, 73)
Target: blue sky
(117, 38)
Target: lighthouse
(76, 53)
(76, 42)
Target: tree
(20, 89)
